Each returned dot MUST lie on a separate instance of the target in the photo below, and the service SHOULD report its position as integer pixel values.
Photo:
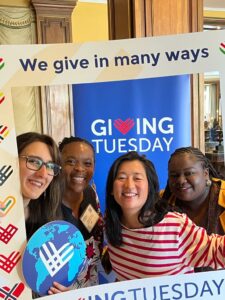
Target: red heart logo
(14, 292)
(222, 47)
(2, 64)
(7, 263)
(124, 126)
(3, 132)
(2, 97)
(7, 233)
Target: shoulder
(221, 186)
(176, 220)
(89, 192)
(179, 225)
(91, 197)
(175, 215)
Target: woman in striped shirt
(145, 238)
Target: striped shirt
(173, 246)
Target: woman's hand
(57, 288)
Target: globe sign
(55, 252)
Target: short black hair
(74, 139)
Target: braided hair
(206, 163)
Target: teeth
(129, 194)
(37, 183)
(183, 188)
(78, 179)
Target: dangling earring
(208, 182)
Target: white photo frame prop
(38, 65)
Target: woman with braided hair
(195, 188)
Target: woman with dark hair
(195, 188)
(80, 204)
(39, 162)
(39, 167)
(145, 238)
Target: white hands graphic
(54, 259)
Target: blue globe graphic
(56, 252)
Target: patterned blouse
(93, 239)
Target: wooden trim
(54, 30)
(54, 20)
(139, 16)
(120, 19)
(54, 26)
(196, 15)
(197, 81)
(148, 18)
(54, 4)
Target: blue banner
(151, 116)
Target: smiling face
(34, 183)
(78, 165)
(130, 187)
(187, 178)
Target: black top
(89, 198)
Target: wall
(90, 22)
(214, 14)
(89, 19)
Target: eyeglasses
(35, 164)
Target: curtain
(17, 26)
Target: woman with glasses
(39, 162)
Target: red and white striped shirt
(173, 246)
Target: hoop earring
(208, 182)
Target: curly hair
(206, 163)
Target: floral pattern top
(94, 239)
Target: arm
(198, 249)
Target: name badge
(89, 218)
